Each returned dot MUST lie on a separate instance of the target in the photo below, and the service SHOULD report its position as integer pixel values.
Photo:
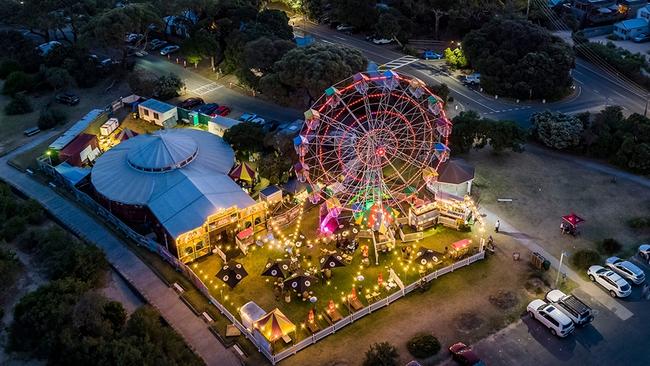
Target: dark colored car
(221, 111)
(464, 355)
(67, 98)
(191, 103)
(207, 108)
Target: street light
(559, 269)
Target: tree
(168, 86)
(18, 81)
(310, 70)
(58, 78)
(456, 58)
(50, 117)
(45, 312)
(557, 130)
(465, 133)
(381, 354)
(7, 66)
(258, 58)
(519, 59)
(423, 345)
(387, 26)
(109, 27)
(471, 131)
(275, 167)
(361, 14)
(503, 135)
(201, 44)
(245, 138)
(441, 90)
(13, 227)
(19, 104)
(142, 82)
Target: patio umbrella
(573, 219)
(276, 268)
(242, 171)
(232, 273)
(331, 261)
(274, 325)
(300, 282)
(426, 256)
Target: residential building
(630, 28)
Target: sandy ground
(543, 189)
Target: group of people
(568, 229)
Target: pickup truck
(472, 79)
(579, 312)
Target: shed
(219, 124)
(455, 177)
(249, 313)
(631, 28)
(271, 195)
(83, 149)
(71, 174)
(74, 131)
(158, 113)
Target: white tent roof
(76, 129)
(250, 312)
(180, 174)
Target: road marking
(207, 88)
(399, 62)
(574, 79)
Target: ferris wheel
(372, 139)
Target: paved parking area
(609, 340)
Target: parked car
(221, 111)
(67, 98)
(612, 282)
(547, 314)
(344, 28)
(156, 44)
(579, 312)
(207, 109)
(472, 79)
(643, 37)
(133, 37)
(644, 251)
(382, 40)
(191, 103)
(169, 50)
(464, 355)
(431, 55)
(626, 269)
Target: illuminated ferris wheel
(372, 139)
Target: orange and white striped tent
(274, 325)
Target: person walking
(496, 226)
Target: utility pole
(645, 111)
(559, 269)
(527, 9)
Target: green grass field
(259, 288)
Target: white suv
(612, 282)
(626, 269)
(547, 314)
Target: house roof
(633, 23)
(180, 174)
(77, 144)
(157, 106)
(455, 172)
(270, 190)
(75, 130)
(71, 173)
(224, 121)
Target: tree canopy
(519, 59)
(471, 131)
(310, 70)
(557, 130)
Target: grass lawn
(543, 189)
(28, 158)
(260, 289)
(12, 127)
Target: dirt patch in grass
(503, 299)
(468, 322)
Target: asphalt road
(594, 89)
(215, 92)
(608, 340)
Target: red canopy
(245, 233)
(573, 219)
